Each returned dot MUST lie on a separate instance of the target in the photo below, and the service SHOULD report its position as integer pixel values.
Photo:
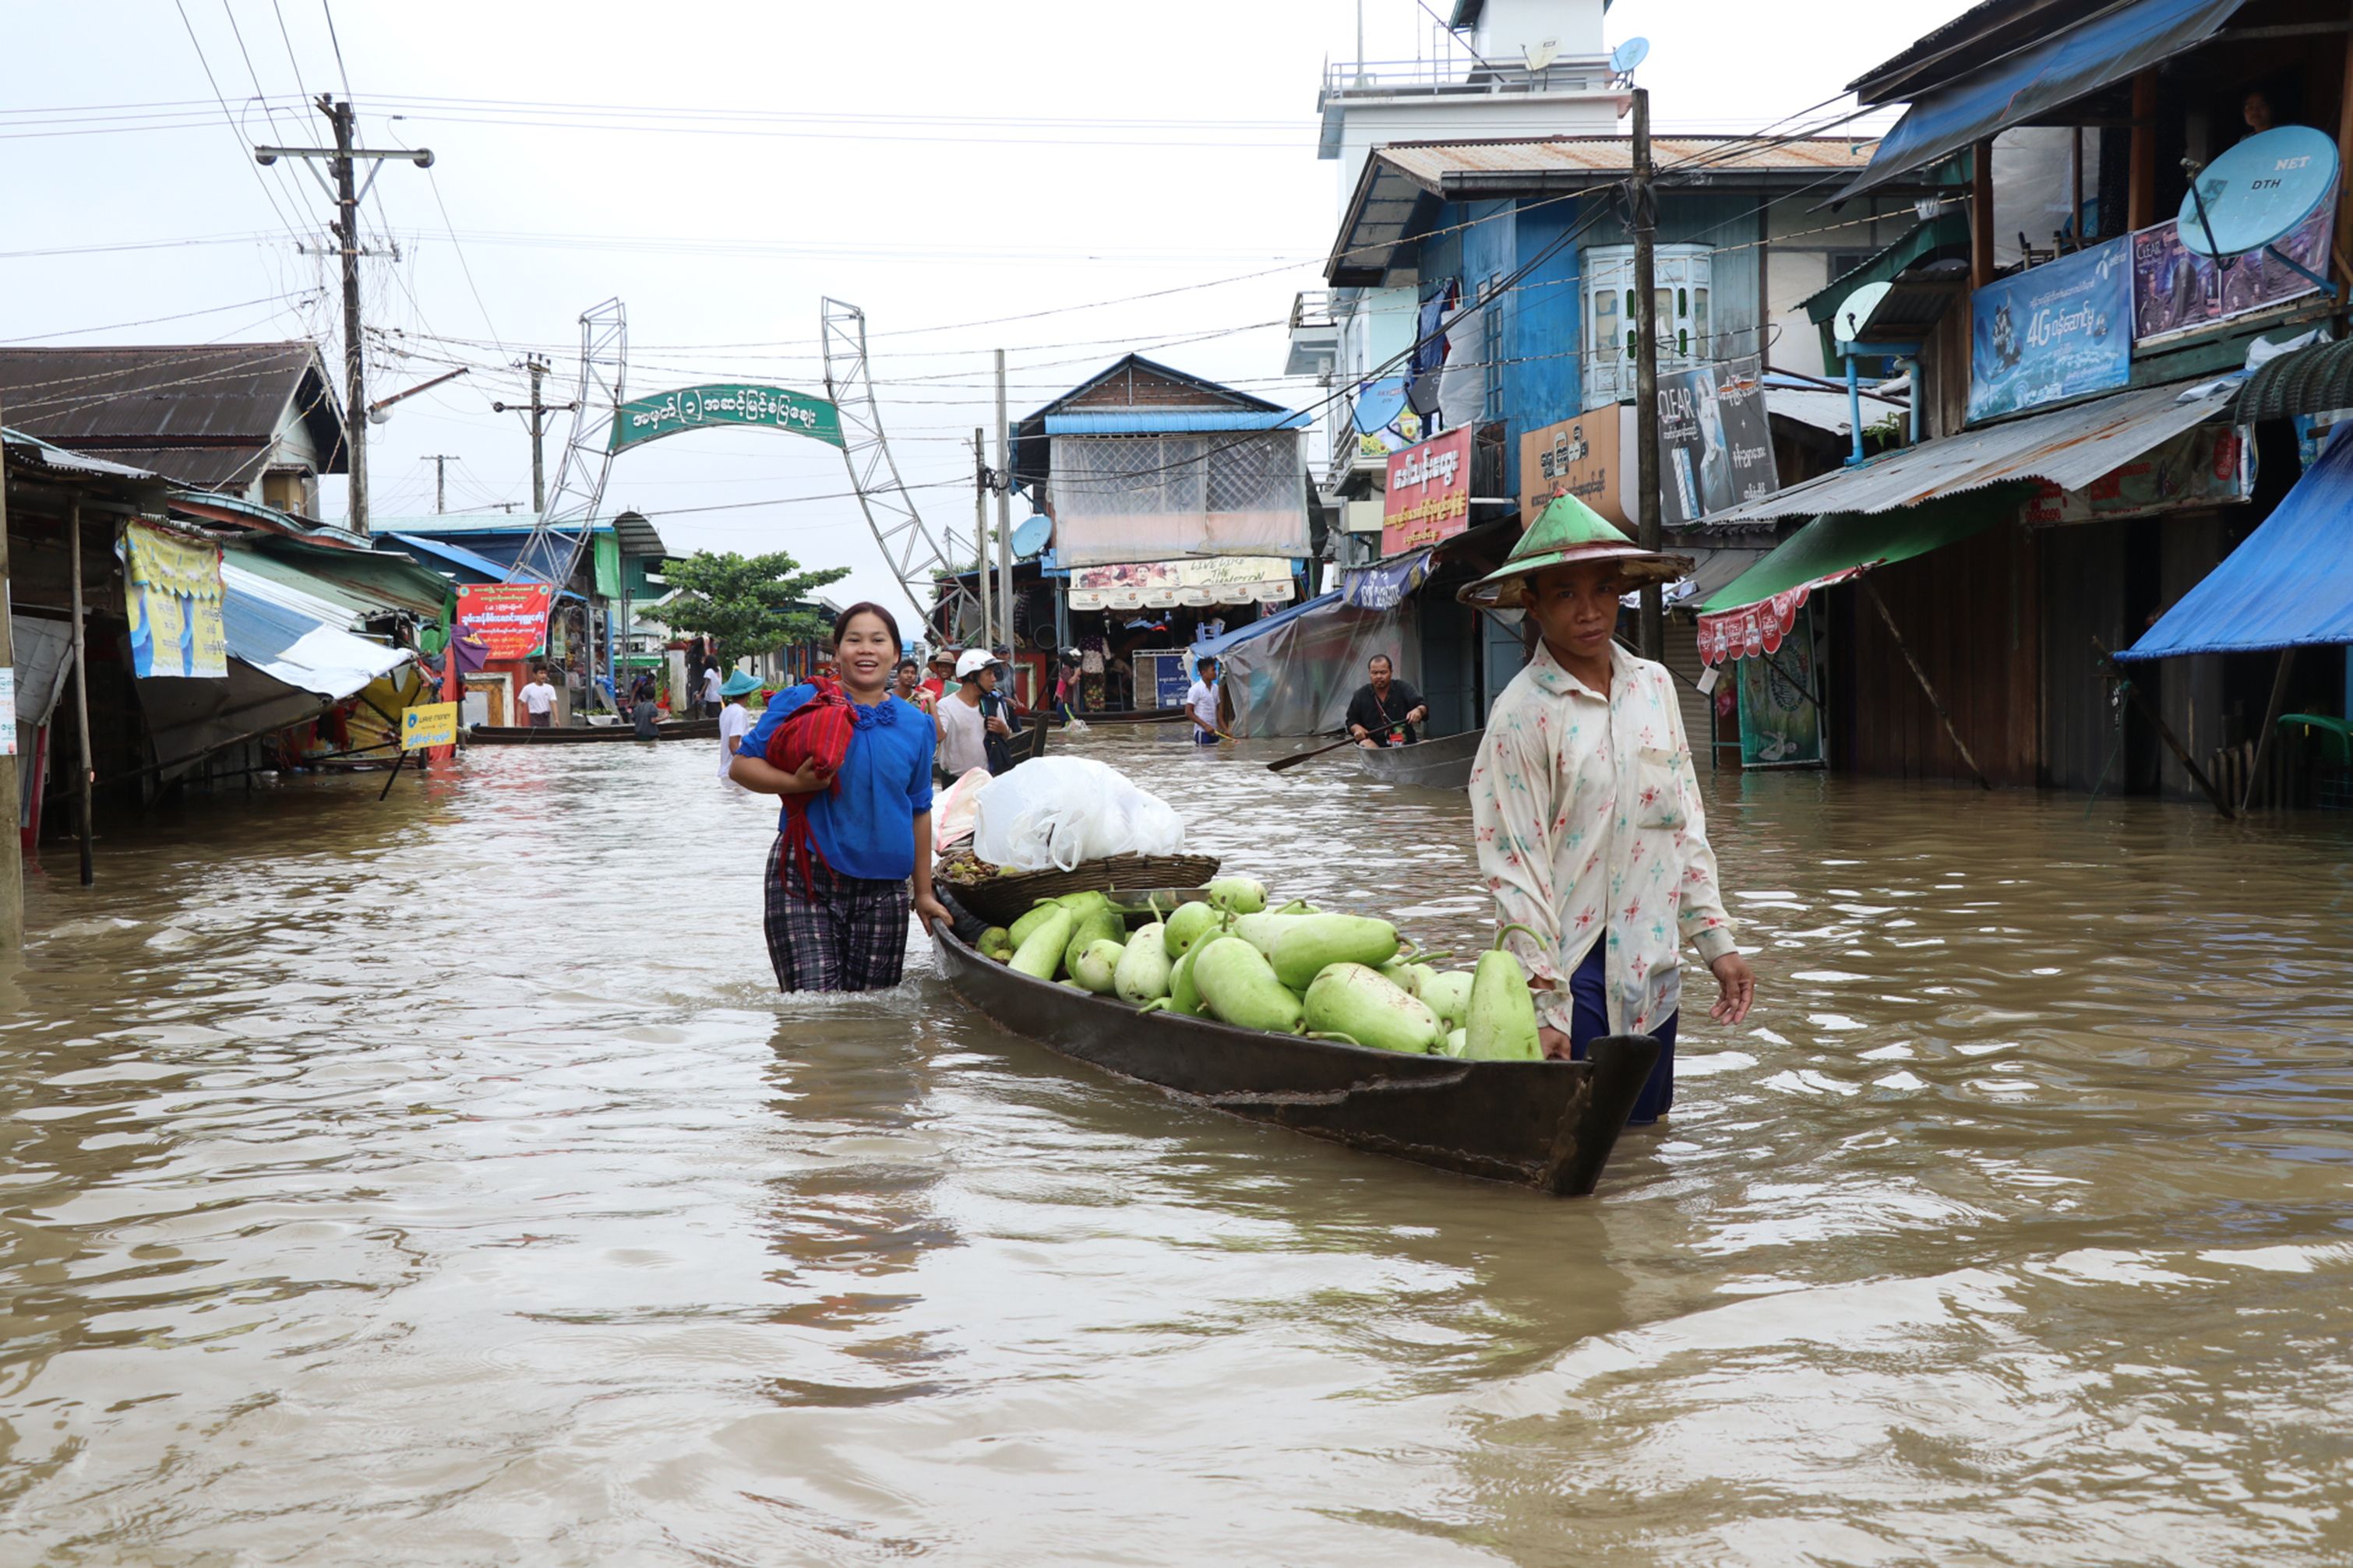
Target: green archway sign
(651, 419)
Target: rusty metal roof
(2069, 446)
(175, 407)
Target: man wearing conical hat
(1588, 814)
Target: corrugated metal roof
(2069, 446)
(1147, 421)
(183, 398)
(297, 638)
(30, 448)
(2315, 380)
(1430, 162)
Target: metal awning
(2069, 446)
(2026, 87)
(2289, 585)
(2315, 380)
(1945, 234)
(297, 638)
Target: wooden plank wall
(2083, 597)
(1970, 614)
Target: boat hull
(1441, 763)
(1545, 1125)
(580, 735)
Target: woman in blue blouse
(841, 876)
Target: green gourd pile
(1294, 970)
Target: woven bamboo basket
(1005, 897)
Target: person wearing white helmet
(964, 729)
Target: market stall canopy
(2027, 86)
(1293, 673)
(2290, 585)
(2069, 446)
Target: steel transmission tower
(914, 554)
(561, 531)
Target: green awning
(1946, 231)
(1843, 543)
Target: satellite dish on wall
(2259, 192)
(1539, 55)
(1854, 312)
(1030, 536)
(1629, 55)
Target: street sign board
(428, 724)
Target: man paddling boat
(1589, 822)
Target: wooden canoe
(1442, 763)
(1546, 1125)
(1126, 716)
(581, 734)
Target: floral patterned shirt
(1589, 829)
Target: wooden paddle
(1298, 757)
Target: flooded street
(443, 1182)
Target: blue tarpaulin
(2289, 585)
(2021, 87)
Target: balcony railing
(1312, 311)
(1461, 75)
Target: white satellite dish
(1629, 55)
(1854, 311)
(1539, 55)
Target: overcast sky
(974, 176)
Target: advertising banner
(508, 619)
(1580, 457)
(1195, 583)
(724, 402)
(1385, 584)
(1781, 727)
(1429, 493)
(2213, 465)
(2054, 332)
(173, 592)
(7, 711)
(2177, 291)
(428, 724)
(1715, 446)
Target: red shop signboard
(1429, 496)
(510, 618)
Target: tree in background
(752, 604)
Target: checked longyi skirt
(848, 934)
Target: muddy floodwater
(443, 1182)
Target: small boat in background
(1441, 763)
(572, 735)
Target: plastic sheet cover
(1297, 676)
(1119, 499)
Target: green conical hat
(1565, 533)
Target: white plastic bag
(953, 809)
(1060, 811)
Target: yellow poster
(175, 601)
(428, 724)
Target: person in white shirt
(964, 729)
(538, 699)
(712, 688)
(735, 723)
(1202, 702)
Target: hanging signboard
(1197, 582)
(2212, 465)
(1385, 584)
(1781, 727)
(1581, 458)
(724, 402)
(1429, 493)
(2051, 334)
(510, 619)
(428, 724)
(173, 593)
(7, 711)
(2175, 291)
(1715, 446)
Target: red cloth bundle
(818, 730)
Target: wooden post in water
(12, 852)
(81, 689)
(2270, 722)
(1921, 676)
(2165, 732)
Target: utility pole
(343, 158)
(980, 536)
(1004, 476)
(1645, 222)
(539, 411)
(441, 461)
(12, 853)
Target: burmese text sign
(1429, 494)
(2051, 334)
(428, 724)
(724, 403)
(510, 618)
(1580, 457)
(174, 598)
